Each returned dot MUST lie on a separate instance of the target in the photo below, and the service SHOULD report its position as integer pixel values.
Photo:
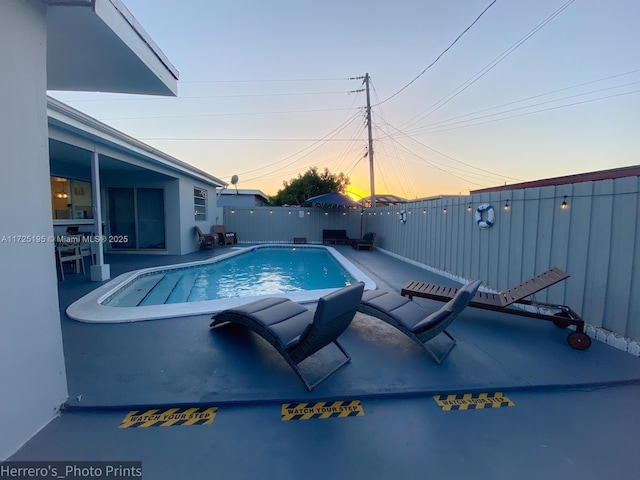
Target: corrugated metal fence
(594, 238)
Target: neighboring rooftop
(384, 199)
(568, 179)
(242, 198)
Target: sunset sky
(532, 90)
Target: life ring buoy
(491, 216)
(403, 216)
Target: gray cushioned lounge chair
(296, 332)
(413, 320)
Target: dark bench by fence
(334, 236)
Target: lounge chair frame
(442, 319)
(224, 237)
(365, 242)
(205, 239)
(513, 301)
(333, 315)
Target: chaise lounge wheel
(579, 341)
(560, 321)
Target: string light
(564, 205)
(506, 205)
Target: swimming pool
(302, 273)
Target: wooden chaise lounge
(514, 297)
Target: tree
(297, 190)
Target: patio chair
(365, 242)
(70, 252)
(419, 324)
(295, 332)
(205, 239)
(506, 300)
(224, 237)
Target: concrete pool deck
(112, 369)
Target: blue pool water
(257, 271)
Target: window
(200, 203)
(71, 199)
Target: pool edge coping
(89, 308)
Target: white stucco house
(147, 197)
(59, 167)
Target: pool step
(136, 293)
(160, 294)
(182, 288)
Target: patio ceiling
(65, 157)
(99, 46)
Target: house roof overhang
(97, 45)
(82, 126)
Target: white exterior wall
(178, 187)
(145, 180)
(187, 218)
(32, 370)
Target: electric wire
(202, 97)
(468, 176)
(486, 69)
(272, 80)
(205, 115)
(402, 177)
(475, 172)
(538, 96)
(441, 54)
(456, 125)
(335, 131)
(437, 167)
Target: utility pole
(371, 178)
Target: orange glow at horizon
(356, 193)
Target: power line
(475, 173)
(204, 115)
(347, 121)
(335, 131)
(486, 69)
(434, 165)
(441, 54)
(202, 97)
(476, 168)
(538, 96)
(213, 139)
(271, 80)
(404, 177)
(472, 122)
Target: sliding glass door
(150, 218)
(136, 218)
